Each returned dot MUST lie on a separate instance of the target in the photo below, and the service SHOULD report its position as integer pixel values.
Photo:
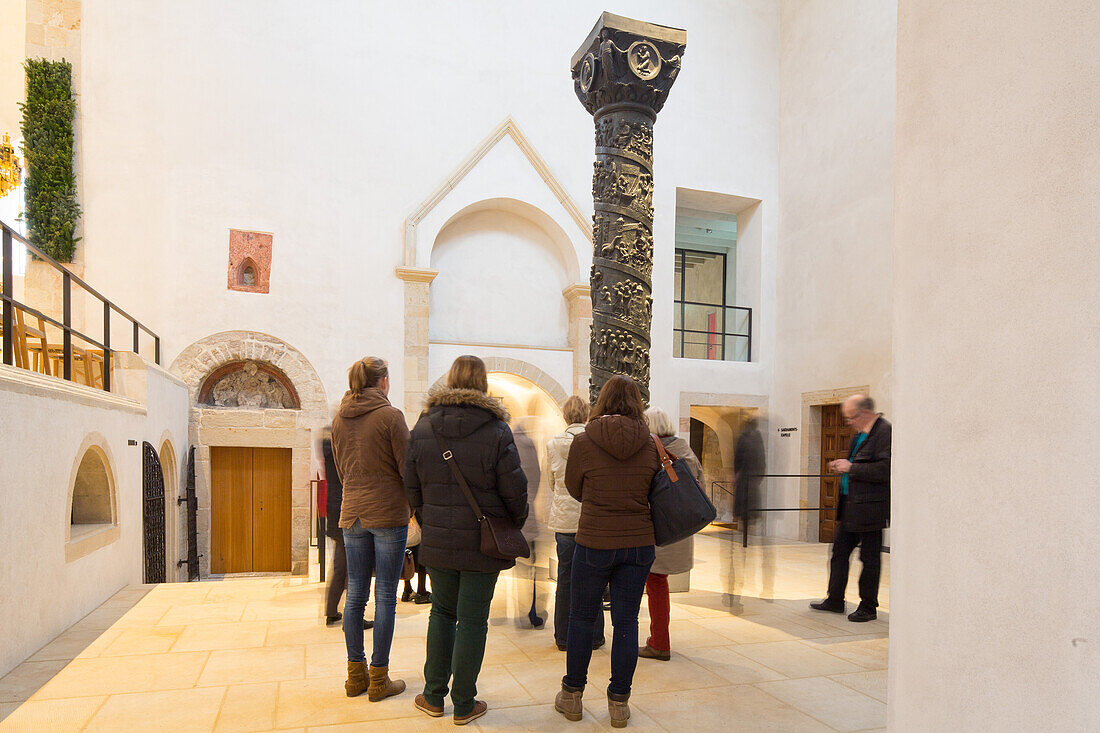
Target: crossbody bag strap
(666, 461)
(449, 459)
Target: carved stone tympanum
(622, 74)
(248, 384)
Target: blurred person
(565, 513)
(863, 510)
(369, 438)
(421, 595)
(749, 467)
(338, 581)
(609, 471)
(679, 557)
(474, 427)
(528, 600)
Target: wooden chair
(31, 349)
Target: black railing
(745, 525)
(10, 305)
(720, 343)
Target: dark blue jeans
(626, 571)
(566, 546)
(377, 550)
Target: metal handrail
(9, 302)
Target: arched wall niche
(248, 383)
(503, 268)
(91, 510)
(169, 467)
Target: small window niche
(93, 511)
(717, 272)
(249, 261)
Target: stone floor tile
(281, 609)
(680, 673)
(26, 679)
(287, 632)
(37, 716)
(76, 642)
(868, 651)
(871, 683)
(185, 614)
(418, 723)
(142, 640)
(735, 668)
(322, 701)
(119, 675)
(830, 702)
(243, 666)
(210, 637)
(175, 710)
(248, 708)
(750, 629)
(795, 659)
(687, 634)
(595, 710)
(735, 708)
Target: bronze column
(622, 74)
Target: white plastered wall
(995, 605)
(51, 584)
(336, 176)
(836, 143)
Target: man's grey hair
(866, 404)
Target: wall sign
(786, 432)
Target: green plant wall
(52, 210)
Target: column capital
(416, 274)
(577, 290)
(627, 62)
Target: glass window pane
(706, 318)
(704, 277)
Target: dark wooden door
(152, 515)
(249, 510)
(835, 438)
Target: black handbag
(677, 503)
(500, 537)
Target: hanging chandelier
(10, 172)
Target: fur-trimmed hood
(458, 412)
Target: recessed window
(248, 277)
(707, 323)
(92, 500)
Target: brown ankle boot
(357, 679)
(381, 686)
(568, 703)
(618, 708)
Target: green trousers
(456, 635)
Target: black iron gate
(153, 514)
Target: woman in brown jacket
(609, 471)
(369, 437)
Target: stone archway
(254, 425)
(523, 369)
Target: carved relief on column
(417, 283)
(622, 74)
(578, 299)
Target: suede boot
(568, 703)
(357, 679)
(618, 709)
(381, 686)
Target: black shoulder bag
(500, 538)
(677, 503)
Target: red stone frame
(249, 249)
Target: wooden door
(249, 510)
(270, 510)
(835, 438)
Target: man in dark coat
(864, 508)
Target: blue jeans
(377, 550)
(626, 571)
(566, 545)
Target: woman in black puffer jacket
(474, 427)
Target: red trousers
(656, 590)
